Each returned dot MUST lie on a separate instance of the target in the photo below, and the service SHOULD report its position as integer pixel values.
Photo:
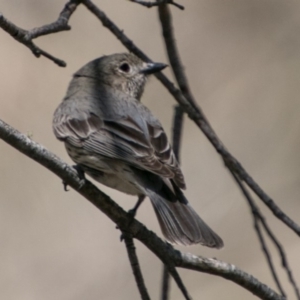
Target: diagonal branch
(284, 261)
(256, 219)
(267, 254)
(163, 251)
(178, 280)
(26, 36)
(173, 53)
(189, 105)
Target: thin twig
(267, 254)
(134, 262)
(181, 286)
(282, 254)
(165, 287)
(157, 3)
(195, 114)
(256, 219)
(120, 217)
(26, 36)
(177, 130)
(193, 262)
(173, 53)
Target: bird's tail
(180, 224)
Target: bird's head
(123, 71)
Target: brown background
(243, 61)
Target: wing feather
(142, 144)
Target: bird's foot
(132, 213)
(81, 175)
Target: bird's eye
(125, 67)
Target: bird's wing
(141, 144)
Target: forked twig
(259, 219)
(265, 249)
(26, 36)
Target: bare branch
(282, 254)
(177, 130)
(259, 218)
(61, 24)
(178, 280)
(167, 254)
(173, 53)
(134, 262)
(256, 218)
(157, 3)
(26, 36)
(165, 284)
(229, 272)
(267, 254)
(189, 105)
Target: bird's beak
(151, 68)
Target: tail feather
(180, 224)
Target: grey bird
(116, 140)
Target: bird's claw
(81, 176)
(65, 186)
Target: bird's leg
(80, 173)
(132, 212)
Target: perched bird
(116, 140)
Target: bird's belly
(110, 172)
(116, 181)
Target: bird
(114, 138)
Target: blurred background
(242, 58)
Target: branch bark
(165, 287)
(259, 220)
(136, 269)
